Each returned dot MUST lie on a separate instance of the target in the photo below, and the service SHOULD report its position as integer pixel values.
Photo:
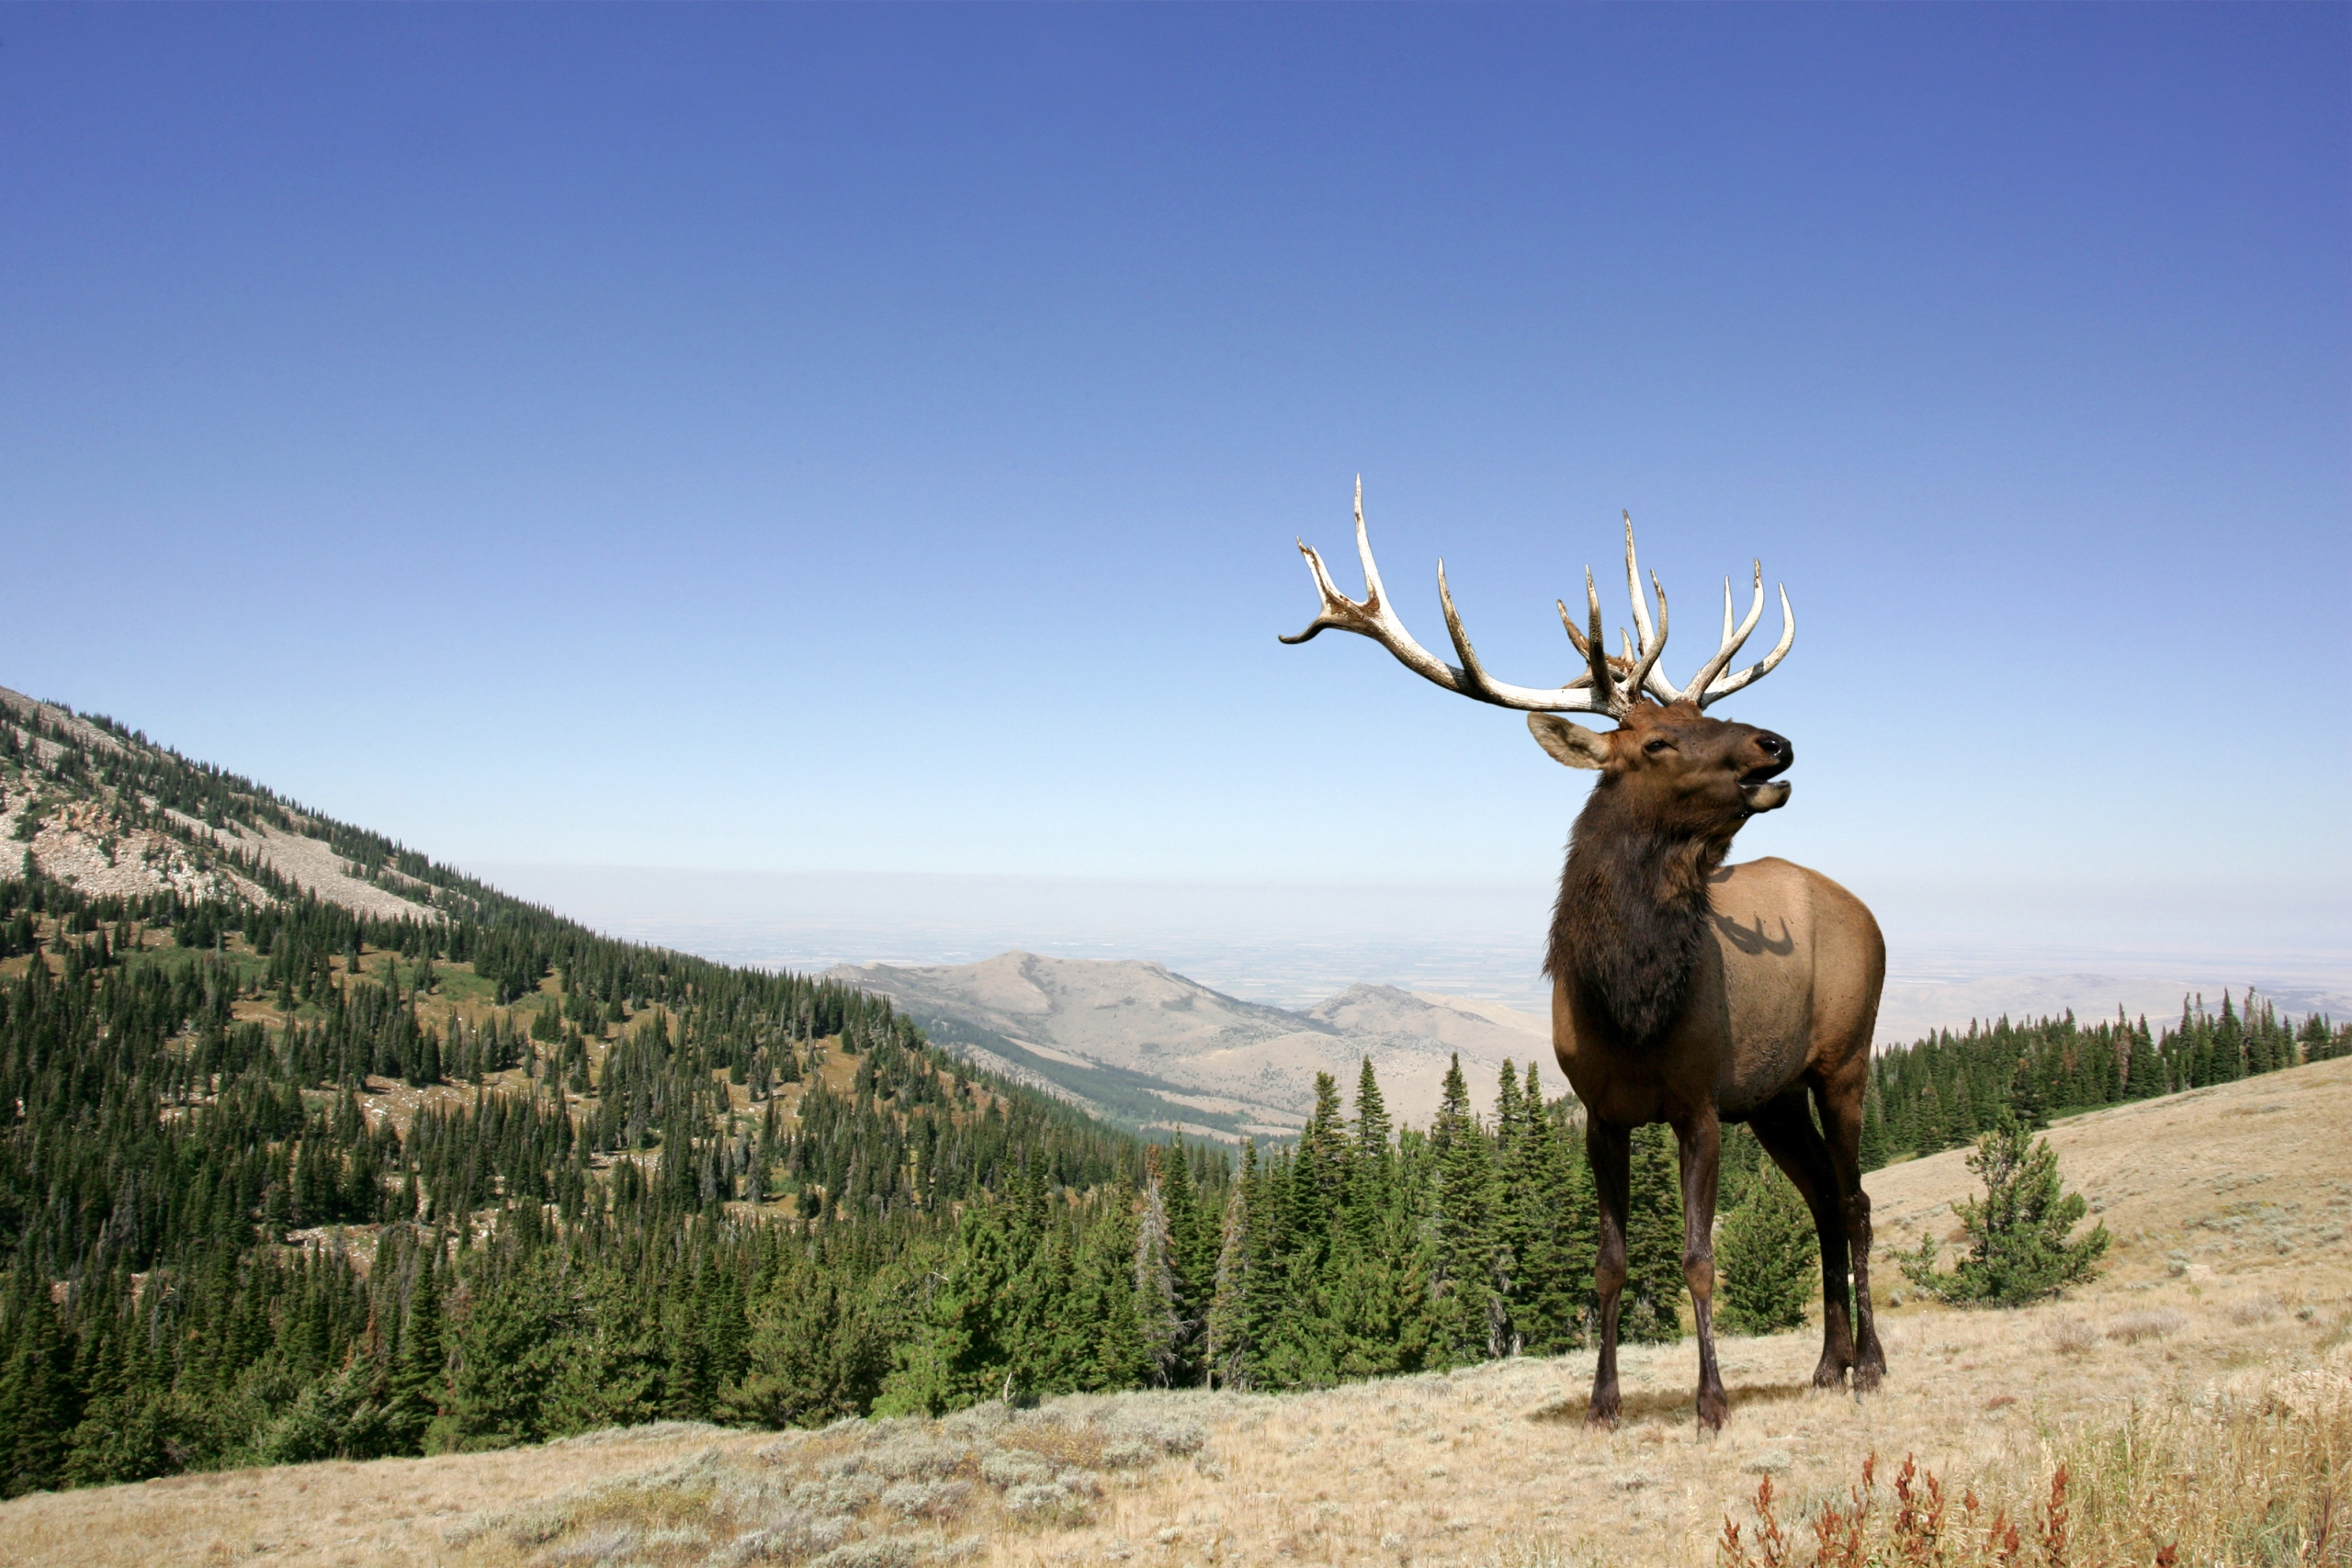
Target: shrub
(1771, 1256)
(2070, 1336)
(2255, 1309)
(2134, 1326)
(2019, 1245)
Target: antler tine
(1576, 639)
(1764, 666)
(1596, 651)
(1374, 619)
(1633, 585)
(1373, 593)
(1646, 674)
(1699, 689)
(1473, 673)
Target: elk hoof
(1604, 1412)
(1830, 1374)
(1712, 1408)
(1868, 1375)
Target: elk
(1685, 990)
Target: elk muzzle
(1761, 788)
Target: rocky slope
(109, 813)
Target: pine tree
(35, 1417)
(1654, 1284)
(1229, 1347)
(2229, 1043)
(1548, 1289)
(1120, 1348)
(417, 1391)
(2020, 1232)
(1520, 1216)
(1768, 1259)
(1873, 1147)
(1160, 1318)
(1462, 1224)
(1192, 1258)
(812, 1356)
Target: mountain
(1139, 1046)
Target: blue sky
(871, 439)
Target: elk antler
(1608, 685)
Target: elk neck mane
(1632, 914)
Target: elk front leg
(1701, 1146)
(1611, 1151)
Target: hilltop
(2220, 1336)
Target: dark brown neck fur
(1631, 913)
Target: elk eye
(1655, 747)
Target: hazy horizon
(1291, 944)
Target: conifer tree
(1552, 1277)
(1160, 1318)
(416, 1391)
(1654, 1284)
(34, 1415)
(1520, 1217)
(1229, 1347)
(1191, 1257)
(2022, 1247)
(1461, 1225)
(813, 1355)
(1768, 1259)
(2229, 1043)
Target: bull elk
(1685, 990)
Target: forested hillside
(1942, 1091)
(282, 1178)
(313, 1147)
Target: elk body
(1686, 991)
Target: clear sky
(783, 439)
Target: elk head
(1702, 775)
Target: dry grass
(2202, 1391)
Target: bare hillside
(1132, 1040)
(2230, 1296)
(90, 831)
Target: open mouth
(1760, 791)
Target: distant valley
(1136, 1044)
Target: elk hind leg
(1700, 1148)
(1841, 1123)
(1785, 1129)
(1611, 1150)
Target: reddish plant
(2054, 1520)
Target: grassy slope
(2230, 1206)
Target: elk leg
(1841, 1122)
(1700, 1141)
(1785, 1129)
(1611, 1150)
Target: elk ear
(1571, 745)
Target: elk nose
(1776, 747)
